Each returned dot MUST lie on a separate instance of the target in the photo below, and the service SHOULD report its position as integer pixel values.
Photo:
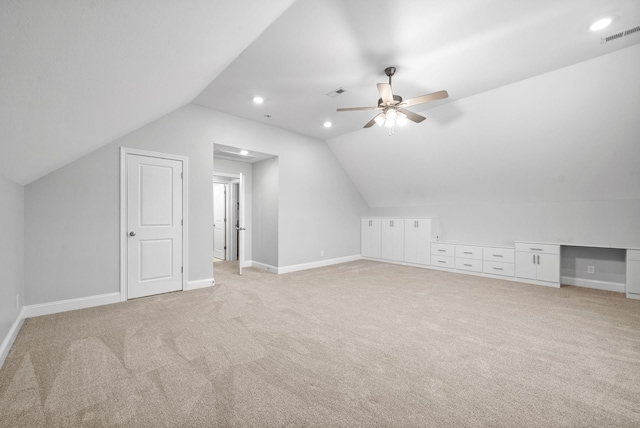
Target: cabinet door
(417, 248)
(548, 267)
(370, 237)
(525, 265)
(392, 239)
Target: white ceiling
(76, 75)
(463, 46)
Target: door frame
(124, 151)
(231, 180)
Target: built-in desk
(613, 268)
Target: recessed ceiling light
(258, 100)
(600, 24)
(327, 124)
(244, 152)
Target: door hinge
(182, 223)
(225, 247)
(182, 175)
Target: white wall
(265, 211)
(552, 158)
(11, 253)
(318, 205)
(72, 215)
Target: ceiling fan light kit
(393, 106)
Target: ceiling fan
(393, 107)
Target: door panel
(154, 224)
(241, 224)
(525, 265)
(549, 267)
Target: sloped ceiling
(464, 46)
(77, 74)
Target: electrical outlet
(591, 269)
(321, 253)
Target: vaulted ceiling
(77, 75)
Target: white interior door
(154, 225)
(232, 221)
(241, 228)
(219, 221)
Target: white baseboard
(592, 283)
(69, 305)
(261, 266)
(201, 283)
(11, 337)
(320, 263)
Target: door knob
(132, 233)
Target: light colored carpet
(362, 344)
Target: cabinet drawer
(469, 252)
(474, 265)
(443, 249)
(499, 268)
(538, 248)
(442, 261)
(504, 255)
(633, 255)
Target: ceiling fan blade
(372, 121)
(411, 115)
(385, 94)
(425, 98)
(358, 108)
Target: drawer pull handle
(441, 261)
(468, 252)
(536, 249)
(443, 251)
(466, 264)
(495, 268)
(498, 255)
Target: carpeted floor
(362, 344)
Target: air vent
(621, 34)
(337, 92)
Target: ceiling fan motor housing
(396, 98)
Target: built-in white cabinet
(370, 244)
(498, 261)
(540, 262)
(392, 239)
(417, 236)
(468, 258)
(443, 255)
(633, 274)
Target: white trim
(592, 283)
(261, 266)
(320, 263)
(69, 305)
(124, 151)
(224, 174)
(11, 337)
(201, 283)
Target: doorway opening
(226, 218)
